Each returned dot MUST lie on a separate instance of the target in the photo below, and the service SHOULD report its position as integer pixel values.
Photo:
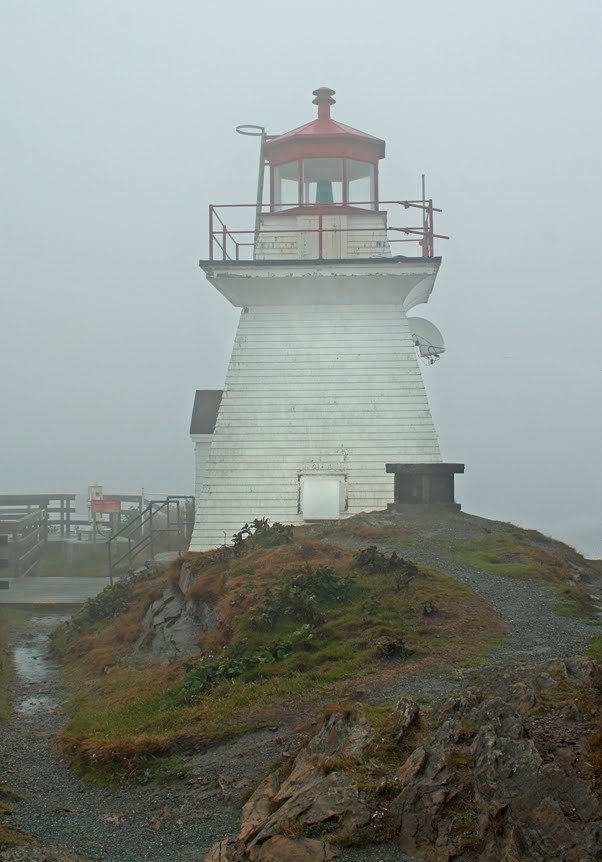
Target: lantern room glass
(322, 181)
(286, 185)
(360, 184)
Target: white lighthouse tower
(324, 386)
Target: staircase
(162, 528)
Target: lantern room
(323, 163)
(323, 201)
(323, 192)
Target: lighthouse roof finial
(323, 100)
(322, 134)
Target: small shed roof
(205, 410)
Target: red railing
(226, 243)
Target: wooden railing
(22, 539)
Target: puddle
(33, 665)
(36, 703)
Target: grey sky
(119, 131)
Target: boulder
(279, 848)
(224, 851)
(344, 733)
(309, 793)
(411, 768)
(408, 712)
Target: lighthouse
(324, 386)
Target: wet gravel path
(176, 822)
(535, 631)
(180, 821)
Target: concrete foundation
(424, 486)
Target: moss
(467, 730)
(246, 795)
(170, 769)
(460, 759)
(466, 822)
(276, 763)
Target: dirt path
(180, 821)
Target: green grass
(595, 647)
(10, 620)
(9, 836)
(567, 607)
(482, 659)
(530, 556)
(293, 635)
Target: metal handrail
(219, 236)
(144, 518)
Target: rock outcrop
(485, 786)
(304, 797)
(173, 623)
(498, 777)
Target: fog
(118, 133)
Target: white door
(321, 498)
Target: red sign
(109, 504)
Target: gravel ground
(178, 822)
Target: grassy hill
(299, 622)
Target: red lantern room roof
(323, 138)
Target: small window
(322, 181)
(286, 185)
(360, 184)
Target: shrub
(261, 533)
(299, 598)
(373, 561)
(209, 671)
(387, 647)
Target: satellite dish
(427, 339)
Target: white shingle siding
(333, 390)
(202, 444)
(350, 235)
